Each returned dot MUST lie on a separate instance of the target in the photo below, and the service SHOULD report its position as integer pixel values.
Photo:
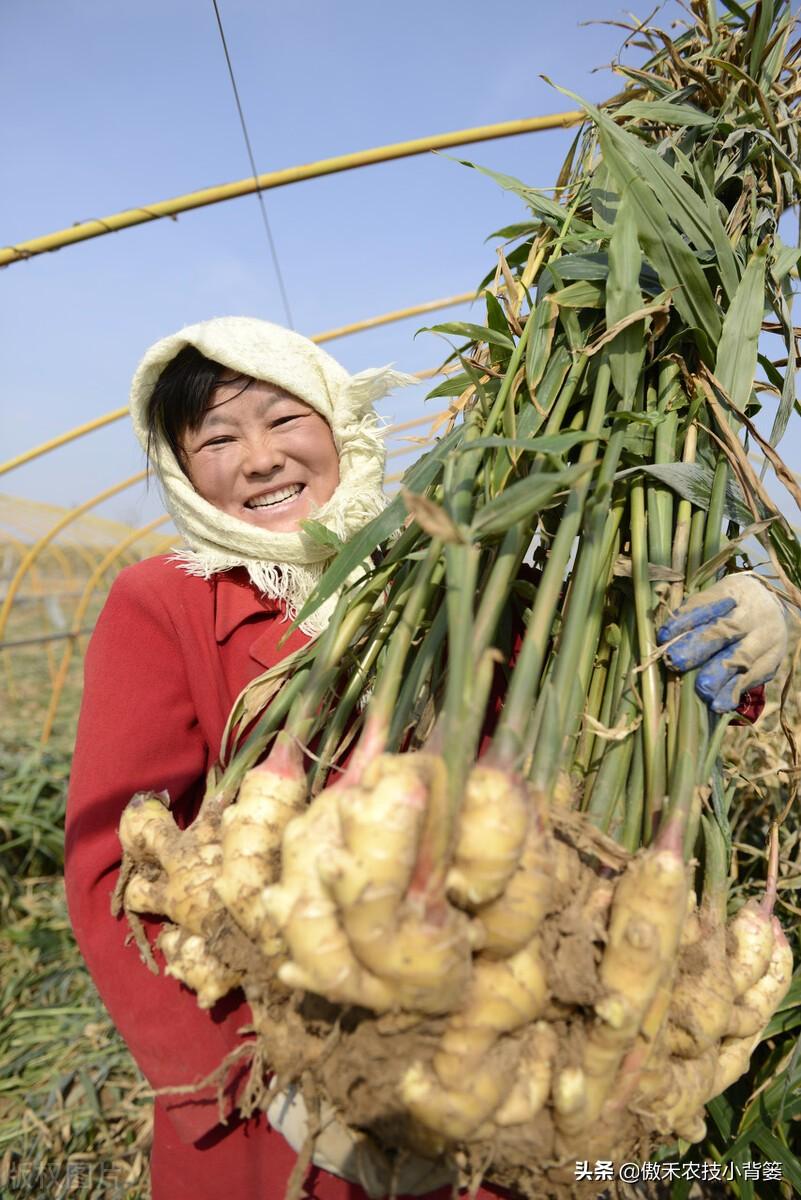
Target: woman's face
(261, 455)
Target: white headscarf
(286, 566)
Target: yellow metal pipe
(62, 439)
(33, 553)
(418, 421)
(403, 450)
(9, 674)
(80, 611)
(327, 335)
(272, 179)
(397, 315)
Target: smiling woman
(250, 429)
(253, 450)
(232, 410)
(261, 454)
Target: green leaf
(540, 340)
(552, 213)
(736, 361)
(679, 202)
(604, 197)
(785, 259)
(773, 62)
(653, 82)
(555, 443)
(576, 336)
(593, 266)
(788, 394)
(322, 535)
(667, 251)
(726, 258)
(584, 293)
(746, 1186)
(709, 569)
(763, 12)
(473, 333)
(712, 17)
(623, 296)
(666, 113)
(737, 10)
(776, 1151)
(638, 443)
(519, 229)
(651, 419)
(355, 552)
(783, 1022)
(548, 389)
(722, 1113)
(496, 317)
(522, 500)
(454, 385)
(693, 482)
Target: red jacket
(169, 655)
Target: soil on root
(355, 1060)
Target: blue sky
(108, 106)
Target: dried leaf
(618, 733)
(432, 518)
(623, 570)
(633, 318)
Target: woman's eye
(218, 441)
(285, 420)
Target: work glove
(352, 1155)
(735, 631)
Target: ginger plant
(485, 914)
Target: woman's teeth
(278, 497)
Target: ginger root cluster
(518, 991)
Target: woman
(251, 429)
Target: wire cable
(252, 159)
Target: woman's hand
(735, 631)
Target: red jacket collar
(236, 600)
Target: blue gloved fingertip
(682, 621)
